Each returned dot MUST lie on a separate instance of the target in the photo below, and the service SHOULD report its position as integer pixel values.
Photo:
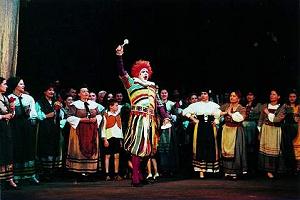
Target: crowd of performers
(78, 133)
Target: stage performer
(142, 135)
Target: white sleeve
(187, 111)
(237, 117)
(217, 115)
(33, 114)
(102, 129)
(271, 117)
(74, 121)
(99, 118)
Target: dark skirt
(49, 144)
(6, 145)
(167, 151)
(6, 151)
(289, 133)
(24, 146)
(24, 140)
(237, 165)
(206, 156)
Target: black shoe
(118, 178)
(145, 181)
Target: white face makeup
(144, 74)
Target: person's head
(92, 96)
(3, 85)
(292, 97)
(16, 84)
(72, 92)
(83, 93)
(235, 97)
(193, 98)
(113, 105)
(250, 97)
(101, 95)
(119, 97)
(164, 94)
(68, 100)
(274, 96)
(142, 70)
(48, 90)
(204, 96)
(176, 95)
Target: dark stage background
(191, 44)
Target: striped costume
(141, 137)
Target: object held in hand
(166, 125)
(126, 41)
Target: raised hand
(119, 50)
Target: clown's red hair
(138, 66)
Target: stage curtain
(9, 23)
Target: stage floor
(210, 188)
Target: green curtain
(9, 23)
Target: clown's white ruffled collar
(143, 82)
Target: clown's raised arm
(119, 53)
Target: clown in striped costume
(141, 136)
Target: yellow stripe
(195, 140)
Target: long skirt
(24, 147)
(238, 163)
(205, 148)
(167, 151)
(83, 150)
(6, 151)
(270, 157)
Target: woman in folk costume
(49, 151)
(83, 150)
(141, 138)
(23, 131)
(6, 144)
(270, 157)
(290, 130)
(233, 142)
(205, 115)
(167, 151)
(253, 109)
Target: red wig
(138, 66)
